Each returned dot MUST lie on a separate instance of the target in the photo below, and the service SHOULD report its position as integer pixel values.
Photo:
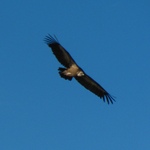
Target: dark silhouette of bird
(73, 70)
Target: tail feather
(63, 75)
(61, 69)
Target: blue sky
(110, 40)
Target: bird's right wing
(94, 87)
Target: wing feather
(61, 54)
(94, 87)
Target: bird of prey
(73, 70)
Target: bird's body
(73, 70)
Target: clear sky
(110, 40)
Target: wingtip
(49, 39)
(109, 98)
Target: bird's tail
(61, 73)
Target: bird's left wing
(94, 87)
(61, 54)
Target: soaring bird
(73, 70)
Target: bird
(72, 70)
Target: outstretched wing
(94, 87)
(61, 54)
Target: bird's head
(80, 73)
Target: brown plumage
(73, 70)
